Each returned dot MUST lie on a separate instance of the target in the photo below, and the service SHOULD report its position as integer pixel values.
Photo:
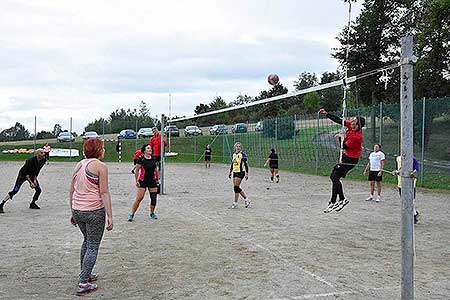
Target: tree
(144, 112)
(44, 135)
(272, 109)
(312, 102)
(57, 129)
(16, 133)
(331, 98)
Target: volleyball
(273, 79)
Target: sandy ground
(283, 247)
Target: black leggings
(340, 171)
(20, 180)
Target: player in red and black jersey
(352, 146)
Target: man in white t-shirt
(375, 167)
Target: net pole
(162, 165)
(381, 123)
(317, 144)
(422, 169)
(406, 110)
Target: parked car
(127, 134)
(192, 130)
(145, 133)
(90, 135)
(172, 129)
(65, 137)
(259, 126)
(218, 129)
(239, 128)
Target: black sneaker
(331, 206)
(34, 206)
(341, 204)
(271, 178)
(1, 208)
(278, 179)
(416, 217)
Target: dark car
(172, 129)
(239, 128)
(218, 129)
(127, 134)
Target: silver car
(145, 133)
(90, 135)
(192, 130)
(65, 137)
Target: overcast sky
(83, 59)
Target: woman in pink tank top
(89, 202)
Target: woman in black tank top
(147, 177)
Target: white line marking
(267, 250)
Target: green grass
(298, 154)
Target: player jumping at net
(272, 161)
(239, 170)
(147, 177)
(352, 146)
(29, 172)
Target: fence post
(381, 124)
(70, 139)
(422, 169)
(295, 145)
(103, 129)
(136, 140)
(34, 138)
(317, 146)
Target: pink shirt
(47, 148)
(86, 195)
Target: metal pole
(162, 156)
(422, 169)
(406, 111)
(294, 146)
(70, 136)
(34, 138)
(381, 124)
(136, 140)
(317, 144)
(103, 125)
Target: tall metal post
(70, 136)
(103, 129)
(406, 112)
(34, 138)
(294, 145)
(136, 140)
(317, 143)
(380, 138)
(422, 169)
(162, 185)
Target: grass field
(305, 152)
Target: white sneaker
(247, 203)
(370, 198)
(234, 205)
(378, 199)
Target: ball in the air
(273, 79)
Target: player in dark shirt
(29, 172)
(147, 177)
(208, 152)
(272, 161)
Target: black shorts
(373, 176)
(207, 158)
(240, 175)
(147, 184)
(135, 161)
(273, 166)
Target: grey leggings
(92, 226)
